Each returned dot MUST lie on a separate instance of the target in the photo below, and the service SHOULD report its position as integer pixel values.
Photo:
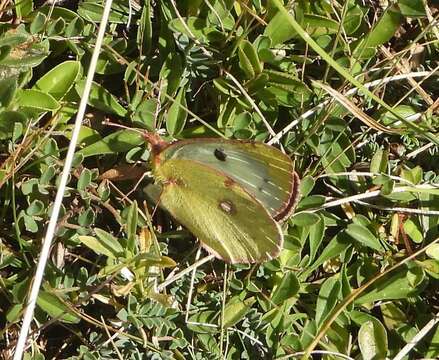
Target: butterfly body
(228, 193)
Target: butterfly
(231, 194)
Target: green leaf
(306, 185)
(119, 141)
(35, 208)
(14, 313)
(372, 339)
(288, 288)
(336, 246)
(316, 233)
(93, 12)
(352, 19)
(303, 219)
(132, 219)
(382, 32)
(279, 29)
(197, 27)
(249, 60)
(30, 224)
(24, 51)
(412, 8)
(56, 27)
(433, 251)
(4, 52)
(200, 322)
(8, 87)
(392, 119)
(291, 94)
(413, 175)
(413, 231)
(177, 114)
(101, 99)
(55, 308)
(84, 179)
(327, 299)
(236, 309)
(363, 235)
(393, 316)
(104, 244)
(379, 161)
(145, 31)
(38, 23)
(87, 135)
(145, 114)
(415, 276)
(391, 287)
(23, 7)
(58, 81)
(86, 218)
(74, 27)
(36, 99)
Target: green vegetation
(348, 88)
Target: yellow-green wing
(264, 171)
(229, 222)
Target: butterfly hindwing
(264, 171)
(223, 215)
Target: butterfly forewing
(262, 170)
(224, 216)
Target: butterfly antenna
(120, 126)
(156, 142)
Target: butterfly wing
(264, 171)
(229, 222)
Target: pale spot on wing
(271, 240)
(262, 190)
(282, 189)
(240, 179)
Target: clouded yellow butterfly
(229, 193)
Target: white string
(29, 312)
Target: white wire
(29, 312)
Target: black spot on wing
(220, 154)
